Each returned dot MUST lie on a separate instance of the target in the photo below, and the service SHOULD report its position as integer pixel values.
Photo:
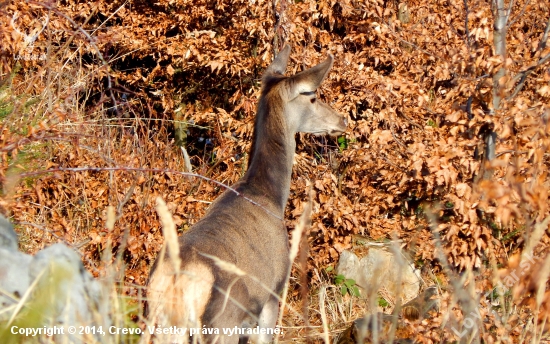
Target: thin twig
(466, 30)
(520, 15)
(390, 163)
(399, 141)
(79, 28)
(152, 170)
(42, 137)
(522, 76)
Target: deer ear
(310, 79)
(278, 66)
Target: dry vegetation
(97, 99)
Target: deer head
(303, 111)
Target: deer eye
(312, 100)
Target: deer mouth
(336, 132)
(341, 128)
(330, 132)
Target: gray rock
(14, 276)
(76, 295)
(63, 292)
(8, 237)
(381, 270)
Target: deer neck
(272, 152)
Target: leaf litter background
(124, 83)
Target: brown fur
(251, 236)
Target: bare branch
(520, 15)
(542, 43)
(466, 30)
(152, 170)
(522, 76)
(92, 42)
(500, 15)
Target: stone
(14, 277)
(381, 270)
(8, 237)
(63, 292)
(76, 295)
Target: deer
(243, 228)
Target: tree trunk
(500, 17)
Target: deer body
(250, 236)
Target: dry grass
(82, 168)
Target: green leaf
(342, 142)
(344, 289)
(350, 282)
(339, 279)
(382, 302)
